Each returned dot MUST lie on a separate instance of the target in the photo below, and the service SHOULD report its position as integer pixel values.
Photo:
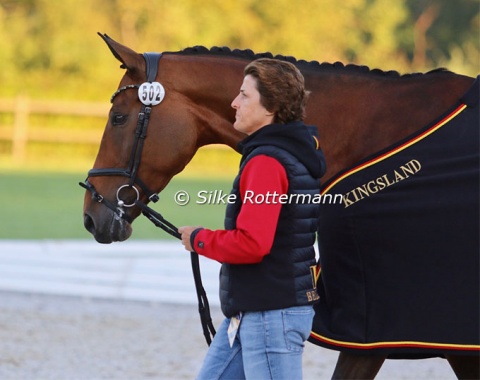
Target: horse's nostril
(88, 223)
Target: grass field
(48, 205)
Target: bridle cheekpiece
(150, 93)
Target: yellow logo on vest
(374, 186)
(312, 294)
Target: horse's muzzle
(107, 227)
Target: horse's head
(154, 128)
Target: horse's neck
(356, 114)
(210, 88)
(359, 115)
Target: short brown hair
(282, 88)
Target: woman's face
(251, 115)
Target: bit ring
(121, 203)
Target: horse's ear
(131, 60)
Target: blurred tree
(444, 33)
(440, 25)
(49, 48)
(377, 25)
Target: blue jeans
(268, 345)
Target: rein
(203, 305)
(152, 94)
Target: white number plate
(151, 94)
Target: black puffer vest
(285, 277)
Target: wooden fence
(20, 131)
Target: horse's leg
(465, 367)
(357, 367)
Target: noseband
(150, 93)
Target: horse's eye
(119, 119)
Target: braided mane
(250, 55)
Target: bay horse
(184, 98)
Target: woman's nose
(234, 103)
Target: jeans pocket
(297, 324)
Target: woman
(267, 282)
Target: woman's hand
(186, 232)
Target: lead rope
(203, 305)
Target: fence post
(20, 128)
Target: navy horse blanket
(399, 257)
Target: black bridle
(131, 172)
(152, 61)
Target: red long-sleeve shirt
(257, 221)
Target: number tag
(151, 94)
